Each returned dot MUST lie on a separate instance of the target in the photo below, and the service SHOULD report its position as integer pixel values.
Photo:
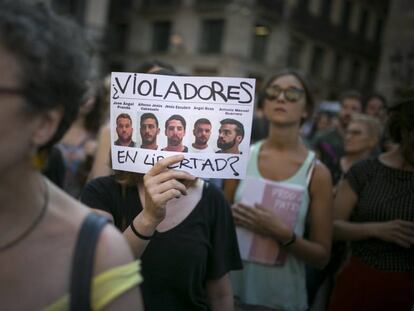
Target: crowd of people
(76, 235)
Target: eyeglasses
(291, 94)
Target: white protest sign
(207, 119)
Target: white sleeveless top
(280, 287)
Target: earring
(38, 159)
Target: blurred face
(349, 106)
(14, 143)
(285, 101)
(175, 133)
(374, 107)
(323, 122)
(357, 138)
(19, 129)
(124, 130)
(228, 136)
(202, 133)
(149, 131)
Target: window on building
(355, 74)
(211, 36)
(260, 41)
(161, 36)
(346, 14)
(318, 56)
(296, 48)
(370, 78)
(326, 9)
(117, 29)
(363, 22)
(71, 8)
(378, 30)
(337, 68)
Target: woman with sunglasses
(282, 157)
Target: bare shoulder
(112, 249)
(321, 179)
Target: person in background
(154, 65)
(282, 157)
(182, 230)
(322, 122)
(374, 212)
(44, 67)
(329, 147)
(78, 145)
(260, 125)
(53, 166)
(376, 106)
(361, 138)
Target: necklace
(33, 225)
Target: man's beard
(201, 140)
(128, 139)
(148, 140)
(174, 141)
(225, 146)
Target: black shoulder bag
(82, 263)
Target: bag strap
(82, 263)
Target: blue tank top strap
(304, 173)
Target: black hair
(310, 101)
(238, 124)
(202, 121)
(175, 117)
(350, 94)
(378, 96)
(93, 119)
(401, 128)
(53, 62)
(149, 115)
(147, 65)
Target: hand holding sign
(161, 185)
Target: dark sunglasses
(291, 94)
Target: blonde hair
(372, 124)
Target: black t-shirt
(177, 263)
